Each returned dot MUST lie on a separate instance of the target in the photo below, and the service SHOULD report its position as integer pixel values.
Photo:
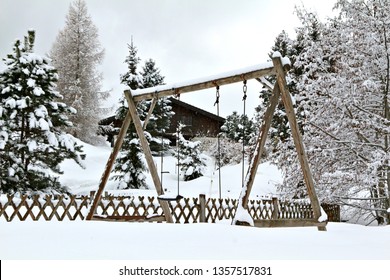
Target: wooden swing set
(277, 67)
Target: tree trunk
(387, 117)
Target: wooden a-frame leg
(286, 98)
(251, 173)
(148, 154)
(110, 163)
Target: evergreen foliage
(238, 128)
(132, 78)
(191, 161)
(131, 163)
(280, 130)
(160, 119)
(32, 144)
(130, 166)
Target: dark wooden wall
(197, 123)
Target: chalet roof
(196, 109)
(111, 119)
(108, 120)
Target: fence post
(202, 208)
(275, 213)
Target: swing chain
(218, 143)
(244, 89)
(217, 96)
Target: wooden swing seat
(166, 198)
(140, 218)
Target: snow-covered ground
(82, 181)
(110, 240)
(116, 241)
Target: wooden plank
(112, 218)
(148, 154)
(252, 170)
(202, 208)
(154, 101)
(297, 137)
(275, 203)
(265, 83)
(206, 83)
(110, 164)
(289, 223)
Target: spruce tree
(129, 165)
(238, 128)
(279, 130)
(191, 161)
(32, 144)
(77, 54)
(160, 119)
(132, 78)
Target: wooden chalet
(197, 122)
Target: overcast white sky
(188, 39)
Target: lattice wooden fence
(187, 210)
(45, 207)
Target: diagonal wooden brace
(109, 165)
(148, 154)
(251, 173)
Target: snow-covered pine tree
(238, 128)
(132, 78)
(191, 161)
(280, 148)
(162, 113)
(32, 144)
(77, 54)
(280, 129)
(130, 164)
(151, 75)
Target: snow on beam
(226, 78)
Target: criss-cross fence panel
(216, 209)
(295, 210)
(47, 207)
(187, 210)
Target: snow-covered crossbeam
(235, 76)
